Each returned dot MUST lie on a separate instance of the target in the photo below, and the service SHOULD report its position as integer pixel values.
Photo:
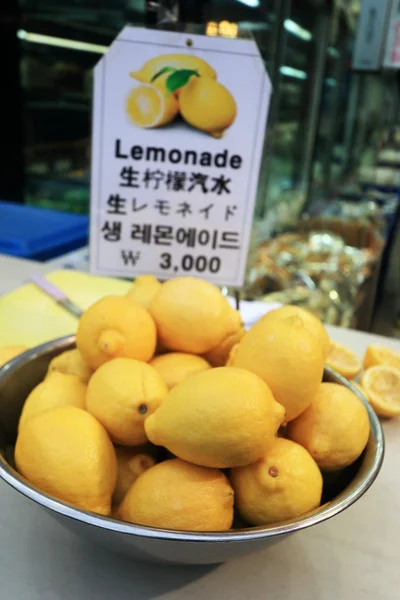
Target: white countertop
(355, 556)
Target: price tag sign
(178, 129)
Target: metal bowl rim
(323, 513)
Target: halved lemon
(381, 385)
(379, 355)
(150, 105)
(343, 360)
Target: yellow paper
(29, 317)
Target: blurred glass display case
(295, 112)
(329, 157)
(61, 41)
(324, 119)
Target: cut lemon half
(381, 385)
(343, 360)
(149, 105)
(379, 355)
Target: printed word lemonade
(168, 414)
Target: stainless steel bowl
(341, 490)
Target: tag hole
(189, 42)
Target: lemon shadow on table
(143, 580)
(289, 569)
(56, 563)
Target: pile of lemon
(144, 422)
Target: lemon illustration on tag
(150, 104)
(185, 84)
(207, 105)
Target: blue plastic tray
(40, 234)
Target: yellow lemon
(192, 315)
(66, 453)
(379, 355)
(58, 389)
(206, 104)
(222, 417)
(149, 105)
(218, 356)
(9, 352)
(177, 495)
(173, 61)
(343, 360)
(284, 484)
(144, 289)
(176, 367)
(381, 385)
(121, 394)
(115, 327)
(131, 462)
(70, 362)
(334, 428)
(310, 322)
(287, 356)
